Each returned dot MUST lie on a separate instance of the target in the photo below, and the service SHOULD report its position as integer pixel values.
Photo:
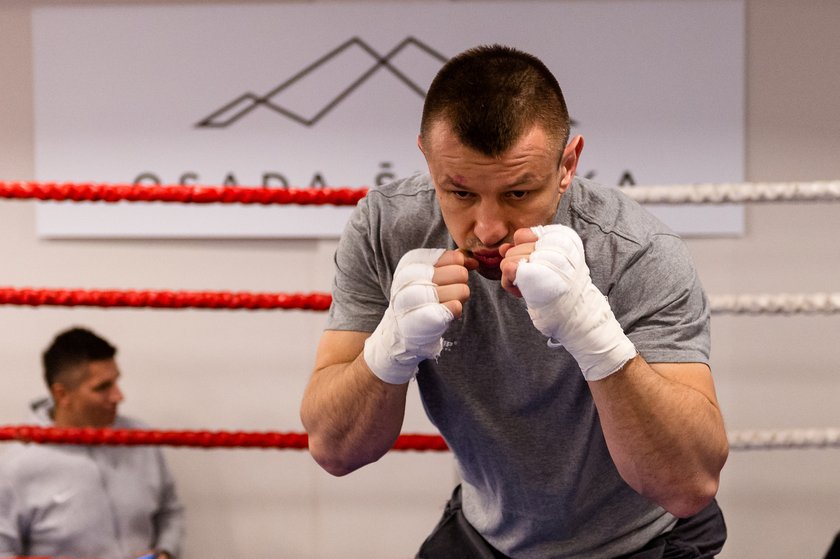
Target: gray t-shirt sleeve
(358, 300)
(385, 224)
(660, 303)
(169, 519)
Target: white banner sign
(331, 94)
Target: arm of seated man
(11, 540)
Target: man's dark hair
(72, 348)
(492, 95)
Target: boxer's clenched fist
(547, 266)
(427, 292)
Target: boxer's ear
(569, 161)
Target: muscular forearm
(352, 417)
(662, 424)
(666, 438)
(354, 405)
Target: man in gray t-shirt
(558, 333)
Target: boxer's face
(92, 401)
(484, 200)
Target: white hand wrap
(411, 328)
(565, 305)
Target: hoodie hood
(41, 411)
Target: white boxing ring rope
(736, 193)
(776, 303)
(784, 439)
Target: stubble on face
(94, 399)
(464, 178)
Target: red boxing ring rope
(164, 299)
(698, 193)
(738, 440)
(200, 439)
(317, 301)
(98, 192)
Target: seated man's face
(93, 401)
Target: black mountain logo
(247, 102)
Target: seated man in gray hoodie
(107, 502)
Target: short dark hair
(72, 348)
(492, 95)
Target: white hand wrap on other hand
(411, 328)
(566, 306)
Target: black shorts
(697, 537)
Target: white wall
(246, 370)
